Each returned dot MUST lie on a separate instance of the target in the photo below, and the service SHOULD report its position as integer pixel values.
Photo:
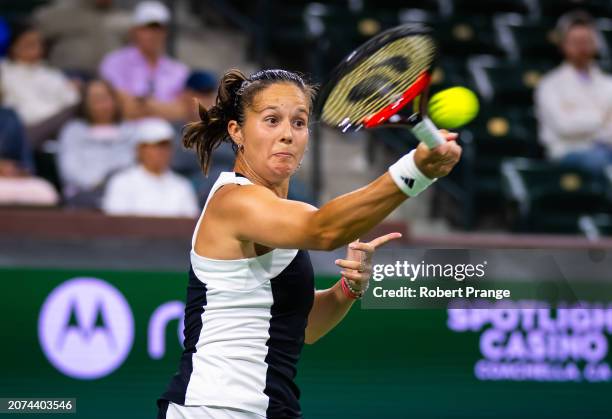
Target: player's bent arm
(331, 305)
(329, 308)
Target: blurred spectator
(13, 143)
(574, 101)
(151, 188)
(42, 96)
(94, 146)
(150, 82)
(81, 32)
(17, 185)
(201, 85)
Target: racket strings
(379, 80)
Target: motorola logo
(86, 328)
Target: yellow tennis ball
(454, 107)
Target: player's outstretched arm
(258, 215)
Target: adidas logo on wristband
(408, 177)
(408, 181)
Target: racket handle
(425, 131)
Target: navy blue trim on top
(162, 409)
(196, 301)
(293, 297)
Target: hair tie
(239, 93)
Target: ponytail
(210, 131)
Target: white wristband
(408, 177)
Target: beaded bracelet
(350, 292)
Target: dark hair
(236, 94)
(572, 19)
(18, 29)
(83, 111)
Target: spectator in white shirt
(42, 96)
(574, 101)
(94, 146)
(151, 188)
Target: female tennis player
(251, 301)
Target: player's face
(579, 46)
(275, 131)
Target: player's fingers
(454, 151)
(350, 264)
(358, 277)
(362, 246)
(449, 147)
(446, 153)
(379, 241)
(452, 136)
(441, 152)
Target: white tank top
(244, 328)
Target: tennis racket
(376, 81)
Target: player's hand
(357, 267)
(441, 160)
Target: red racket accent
(388, 111)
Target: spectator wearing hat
(151, 188)
(574, 101)
(201, 85)
(149, 82)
